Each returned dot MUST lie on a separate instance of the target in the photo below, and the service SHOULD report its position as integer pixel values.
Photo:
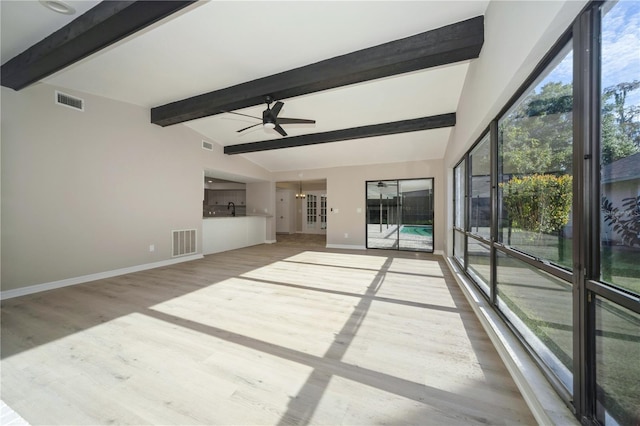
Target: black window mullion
(615, 295)
(467, 208)
(493, 150)
(551, 269)
(586, 212)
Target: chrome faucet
(230, 205)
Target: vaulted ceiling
(212, 56)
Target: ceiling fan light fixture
(270, 125)
(58, 6)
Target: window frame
(584, 36)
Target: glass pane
(416, 215)
(480, 219)
(458, 246)
(311, 211)
(617, 364)
(479, 267)
(620, 146)
(382, 214)
(459, 194)
(535, 142)
(539, 306)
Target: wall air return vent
(69, 101)
(184, 242)
(207, 145)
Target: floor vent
(184, 242)
(207, 145)
(69, 101)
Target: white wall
(261, 199)
(88, 192)
(517, 36)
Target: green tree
(537, 135)
(620, 127)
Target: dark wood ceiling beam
(453, 43)
(404, 126)
(101, 26)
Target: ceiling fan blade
(245, 115)
(280, 130)
(284, 120)
(276, 108)
(242, 130)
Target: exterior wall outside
(615, 193)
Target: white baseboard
(270, 241)
(543, 401)
(346, 246)
(37, 288)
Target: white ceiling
(216, 44)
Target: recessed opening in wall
(224, 198)
(301, 209)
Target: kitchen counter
(222, 233)
(222, 216)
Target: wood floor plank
(282, 334)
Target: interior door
(314, 213)
(283, 211)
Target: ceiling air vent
(207, 145)
(69, 101)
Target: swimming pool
(421, 230)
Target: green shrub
(538, 203)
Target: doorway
(314, 214)
(400, 214)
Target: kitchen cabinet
(216, 197)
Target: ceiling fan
(270, 118)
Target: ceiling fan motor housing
(268, 120)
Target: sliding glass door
(382, 214)
(400, 214)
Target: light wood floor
(267, 335)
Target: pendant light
(300, 194)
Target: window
(479, 256)
(480, 189)
(617, 355)
(617, 315)
(459, 176)
(620, 146)
(539, 306)
(535, 142)
(458, 247)
(564, 270)
(535, 146)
